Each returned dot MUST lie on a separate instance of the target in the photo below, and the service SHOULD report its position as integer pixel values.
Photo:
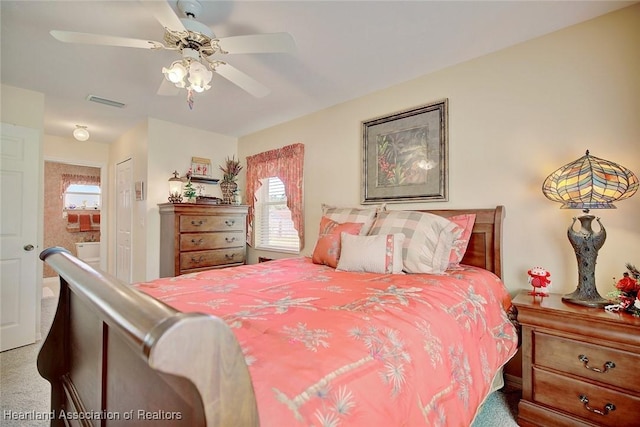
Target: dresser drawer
(212, 258)
(564, 393)
(197, 223)
(198, 242)
(581, 359)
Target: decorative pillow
(327, 250)
(364, 215)
(373, 254)
(428, 238)
(459, 248)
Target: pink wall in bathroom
(55, 226)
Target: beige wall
(171, 147)
(157, 148)
(514, 117)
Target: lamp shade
(81, 133)
(590, 183)
(175, 188)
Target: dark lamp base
(578, 298)
(586, 244)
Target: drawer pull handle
(608, 365)
(230, 222)
(229, 256)
(230, 240)
(607, 408)
(199, 260)
(197, 223)
(196, 242)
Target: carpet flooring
(23, 391)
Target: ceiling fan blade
(259, 43)
(167, 88)
(161, 10)
(242, 80)
(99, 39)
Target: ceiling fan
(197, 45)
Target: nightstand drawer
(565, 393)
(195, 223)
(203, 259)
(198, 241)
(582, 359)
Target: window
(274, 228)
(80, 196)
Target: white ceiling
(345, 49)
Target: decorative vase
(228, 187)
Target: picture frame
(139, 190)
(200, 167)
(405, 155)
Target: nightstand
(580, 365)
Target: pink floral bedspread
(332, 348)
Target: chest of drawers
(580, 365)
(196, 237)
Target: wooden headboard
(114, 350)
(485, 245)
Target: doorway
(69, 219)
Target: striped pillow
(428, 238)
(366, 216)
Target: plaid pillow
(366, 216)
(428, 241)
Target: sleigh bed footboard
(116, 356)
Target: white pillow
(372, 254)
(428, 238)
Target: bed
(285, 342)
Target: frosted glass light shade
(81, 133)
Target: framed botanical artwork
(200, 167)
(405, 155)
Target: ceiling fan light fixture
(81, 133)
(175, 73)
(199, 77)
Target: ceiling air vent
(105, 101)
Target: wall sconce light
(81, 133)
(175, 188)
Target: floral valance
(68, 179)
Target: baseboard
(513, 381)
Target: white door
(124, 192)
(19, 192)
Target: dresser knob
(230, 222)
(196, 242)
(230, 240)
(608, 365)
(197, 223)
(607, 408)
(229, 256)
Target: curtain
(68, 179)
(287, 164)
